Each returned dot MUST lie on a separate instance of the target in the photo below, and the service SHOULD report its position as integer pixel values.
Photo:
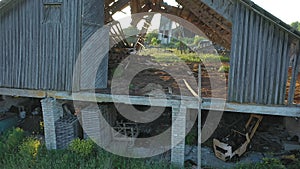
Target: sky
(286, 10)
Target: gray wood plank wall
(92, 22)
(260, 58)
(40, 41)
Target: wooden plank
(233, 55)
(268, 64)
(189, 102)
(249, 60)
(256, 40)
(244, 57)
(240, 57)
(284, 70)
(261, 63)
(295, 72)
(273, 66)
(280, 57)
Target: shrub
(10, 141)
(30, 148)
(224, 69)
(82, 147)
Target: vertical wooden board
(34, 26)
(13, 48)
(268, 63)
(244, 57)
(1, 51)
(260, 42)
(241, 56)
(263, 60)
(278, 77)
(30, 73)
(51, 56)
(255, 42)
(67, 42)
(285, 67)
(74, 52)
(66, 53)
(295, 71)
(273, 66)
(236, 53)
(40, 44)
(76, 80)
(233, 54)
(10, 51)
(55, 60)
(23, 48)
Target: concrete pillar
(52, 111)
(97, 122)
(178, 134)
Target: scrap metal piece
(236, 143)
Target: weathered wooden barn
(40, 42)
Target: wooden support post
(95, 125)
(178, 134)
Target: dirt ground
(167, 82)
(213, 83)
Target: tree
(296, 25)
(150, 36)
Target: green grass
(271, 163)
(24, 153)
(160, 55)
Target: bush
(224, 69)
(155, 41)
(10, 141)
(30, 148)
(83, 148)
